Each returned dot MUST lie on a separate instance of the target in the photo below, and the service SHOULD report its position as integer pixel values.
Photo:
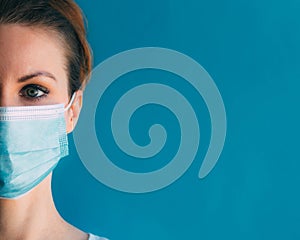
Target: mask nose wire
(71, 102)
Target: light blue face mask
(32, 141)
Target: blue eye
(34, 92)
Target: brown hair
(65, 18)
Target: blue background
(252, 51)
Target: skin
(25, 51)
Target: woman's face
(33, 70)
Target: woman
(45, 62)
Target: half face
(33, 69)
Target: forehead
(25, 49)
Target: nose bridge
(1, 94)
(6, 97)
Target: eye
(34, 92)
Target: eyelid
(37, 86)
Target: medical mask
(32, 141)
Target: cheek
(61, 90)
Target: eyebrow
(36, 74)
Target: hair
(63, 17)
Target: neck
(30, 216)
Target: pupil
(32, 92)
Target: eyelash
(36, 87)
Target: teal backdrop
(252, 51)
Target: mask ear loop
(69, 105)
(71, 102)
